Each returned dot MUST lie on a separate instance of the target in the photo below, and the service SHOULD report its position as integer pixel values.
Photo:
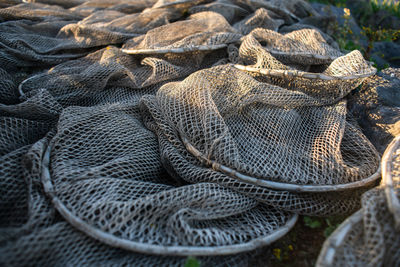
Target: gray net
(260, 19)
(108, 76)
(42, 238)
(214, 111)
(229, 10)
(137, 133)
(301, 47)
(114, 182)
(371, 237)
(30, 37)
(201, 31)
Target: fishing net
(224, 119)
(230, 11)
(260, 19)
(201, 31)
(302, 47)
(371, 236)
(108, 76)
(142, 132)
(66, 36)
(41, 237)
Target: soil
(300, 247)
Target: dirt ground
(301, 246)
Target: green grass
(338, 3)
(192, 262)
(393, 7)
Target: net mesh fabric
(201, 31)
(226, 117)
(108, 76)
(37, 12)
(162, 149)
(39, 41)
(41, 237)
(180, 163)
(304, 47)
(260, 19)
(371, 237)
(128, 196)
(230, 11)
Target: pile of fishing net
(371, 236)
(142, 132)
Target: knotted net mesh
(141, 132)
(371, 237)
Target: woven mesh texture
(260, 19)
(41, 237)
(371, 237)
(201, 31)
(230, 11)
(225, 117)
(53, 35)
(136, 133)
(304, 47)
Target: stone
(389, 52)
(339, 16)
(376, 107)
(385, 20)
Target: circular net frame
(252, 131)
(371, 237)
(205, 134)
(110, 184)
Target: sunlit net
(141, 132)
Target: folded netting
(37, 12)
(259, 19)
(16, 137)
(267, 135)
(288, 10)
(183, 165)
(9, 3)
(119, 5)
(61, 3)
(8, 88)
(104, 175)
(138, 23)
(200, 32)
(178, 4)
(328, 83)
(33, 234)
(371, 237)
(230, 11)
(26, 43)
(124, 6)
(299, 26)
(302, 47)
(108, 76)
(127, 140)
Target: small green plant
(338, 3)
(379, 35)
(312, 222)
(332, 223)
(344, 36)
(328, 225)
(192, 262)
(392, 6)
(283, 252)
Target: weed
(338, 3)
(192, 262)
(392, 6)
(379, 35)
(312, 222)
(328, 224)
